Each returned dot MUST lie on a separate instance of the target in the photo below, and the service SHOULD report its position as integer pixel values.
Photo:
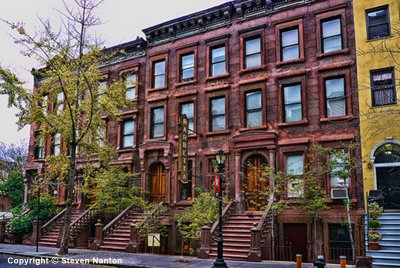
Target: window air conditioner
(338, 193)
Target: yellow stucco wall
(376, 123)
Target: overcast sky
(123, 20)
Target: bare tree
(12, 156)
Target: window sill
(126, 150)
(210, 78)
(282, 63)
(336, 118)
(156, 89)
(182, 84)
(253, 128)
(38, 160)
(216, 133)
(248, 70)
(157, 139)
(297, 123)
(389, 105)
(333, 53)
(380, 38)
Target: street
(18, 261)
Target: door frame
(382, 165)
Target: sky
(122, 20)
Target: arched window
(387, 153)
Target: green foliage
(13, 187)
(374, 224)
(202, 212)
(374, 236)
(47, 210)
(112, 189)
(374, 211)
(153, 213)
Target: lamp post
(219, 262)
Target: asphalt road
(17, 261)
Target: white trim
(372, 157)
(394, 164)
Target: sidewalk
(122, 259)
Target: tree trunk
(316, 247)
(350, 226)
(69, 203)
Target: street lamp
(219, 262)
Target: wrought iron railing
(225, 213)
(83, 221)
(111, 226)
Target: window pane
(218, 106)
(188, 109)
(294, 165)
(292, 94)
(159, 81)
(253, 61)
(159, 68)
(254, 119)
(218, 68)
(293, 113)
(332, 44)
(290, 37)
(60, 97)
(187, 61)
(102, 86)
(290, 53)
(129, 127)
(158, 131)
(57, 138)
(130, 94)
(130, 81)
(218, 54)
(218, 123)
(158, 115)
(383, 97)
(378, 31)
(253, 100)
(187, 74)
(334, 87)
(383, 78)
(336, 107)
(377, 16)
(127, 141)
(331, 27)
(253, 46)
(56, 150)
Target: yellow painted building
(377, 28)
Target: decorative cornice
(251, 9)
(199, 22)
(131, 50)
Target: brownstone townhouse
(262, 81)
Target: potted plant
(374, 236)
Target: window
(44, 103)
(383, 87)
(294, 168)
(335, 97)
(331, 35)
(159, 74)
(60, 101)
(218, 117)
(292, 103)
(128, 130)
(187, 67)
(218, 61)
(102, 87)
(253, 109)
(290, 49)
(378, 23)
(157, 122)
(56, 148)
(253, 52)
(39, 146)
(130, 84)
(337, 169)
(188, 109)
(101, 136)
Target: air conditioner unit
(338, 193)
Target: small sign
(217, 182)
(183, 149)
(153, 240)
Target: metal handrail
(224, 213)
(82, 216)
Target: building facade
(261, 80)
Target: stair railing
(119, 219)
(54, 221)
(257, 243)
(82, 222)
(225, 213)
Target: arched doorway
(256, 181)
(157, 182)
(387, 172)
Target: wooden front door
(256, 182)
(157, 183)
(295, 235)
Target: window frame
(123, 135)
(134, 87)
(386, 7)
(335, 98)
(283, 26)
(152, 122)
(260, 109)
(39, 146)
(284, 105)
(381, 71)
(129, 71)
(322, 21)
(287, 154)
(211, 117)
(212, 44)
(54, 145)
(155, 58)
(180, 104)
